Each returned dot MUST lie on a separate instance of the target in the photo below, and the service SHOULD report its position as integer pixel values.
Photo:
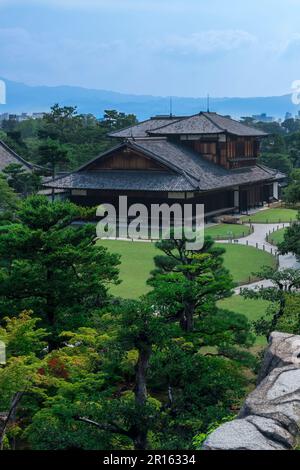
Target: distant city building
(288, 116)
(20, 117)
(263, 118)
(38, 115)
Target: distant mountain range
(25, 98)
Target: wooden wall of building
(125, 160)
(236, 152)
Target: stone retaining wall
(270, 416)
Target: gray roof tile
(120, 180)
(141, 129)
(207, 123)
(8, 156)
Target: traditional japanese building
(205, 158)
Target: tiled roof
(120, 180)
(207, 123)
(207, 174)
(232, 126)
(141, 129)
(8, 156)
(189, 171)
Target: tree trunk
(280, 312)
(50, 312)
(140, 441)
(187, 317)
(140, 389)
(140, 433)
(53, 190)
(11, 414)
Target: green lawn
(271, 216)
(225, 231)
(253, 309)
(277, 237)
(137, 262)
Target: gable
(125, 158)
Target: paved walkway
(258, 240)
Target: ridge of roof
(128, 127)
(214, 128)
(218, 124)
(175, 122)
(211, 114)
(208, 117)
(141, 123)
(15, 155)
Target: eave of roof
(121, 181)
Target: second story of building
(219, 139)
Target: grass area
(272, 216)
(137, 262)
(277, 237)
(253, 309)
(226, 231)
(243, 260)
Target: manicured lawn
(137, 262)
(226, 231)
(277, 237)
(253, 309)
(272, 216)
(243, 260)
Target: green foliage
(292, 192)
(64, 136)
(290, 320)
(21, 335)
(23, 182)
(278, 161)
(53, 268)
(284, 283)
(8, 199)
(291, 242)
(187, 282)
(52, 154)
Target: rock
(272, 430)
(277, 397)
(240, 435)
(284, 349)
(270, 416)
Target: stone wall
(270, 416)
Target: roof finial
(171, 106)
(208, 102)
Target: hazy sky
(159, 47)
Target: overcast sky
(159, 47)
